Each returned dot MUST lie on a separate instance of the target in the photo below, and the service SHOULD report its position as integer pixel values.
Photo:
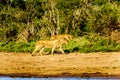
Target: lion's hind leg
(41, 51)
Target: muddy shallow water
(58, 65)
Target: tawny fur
(56, 43)
(62, 36)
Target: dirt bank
(59, 65)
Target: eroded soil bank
(58, 65)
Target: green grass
(96, 45)
(83, 44)
(17, 47)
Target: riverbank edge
(86, 75)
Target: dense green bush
(42, 18)
(105, 19)
(22, 22)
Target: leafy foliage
(26, 21)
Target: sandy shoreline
(70, 65)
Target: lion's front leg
(53, 50)
(61, 49)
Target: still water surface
(9, 78)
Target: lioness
(62, 36)
(57, 43)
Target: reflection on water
(9, 78)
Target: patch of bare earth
(59, 65)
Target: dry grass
(115, 36)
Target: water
(9, 78)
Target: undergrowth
(16, 47)
(83, 44)
(97, 44)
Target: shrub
(17, 47)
